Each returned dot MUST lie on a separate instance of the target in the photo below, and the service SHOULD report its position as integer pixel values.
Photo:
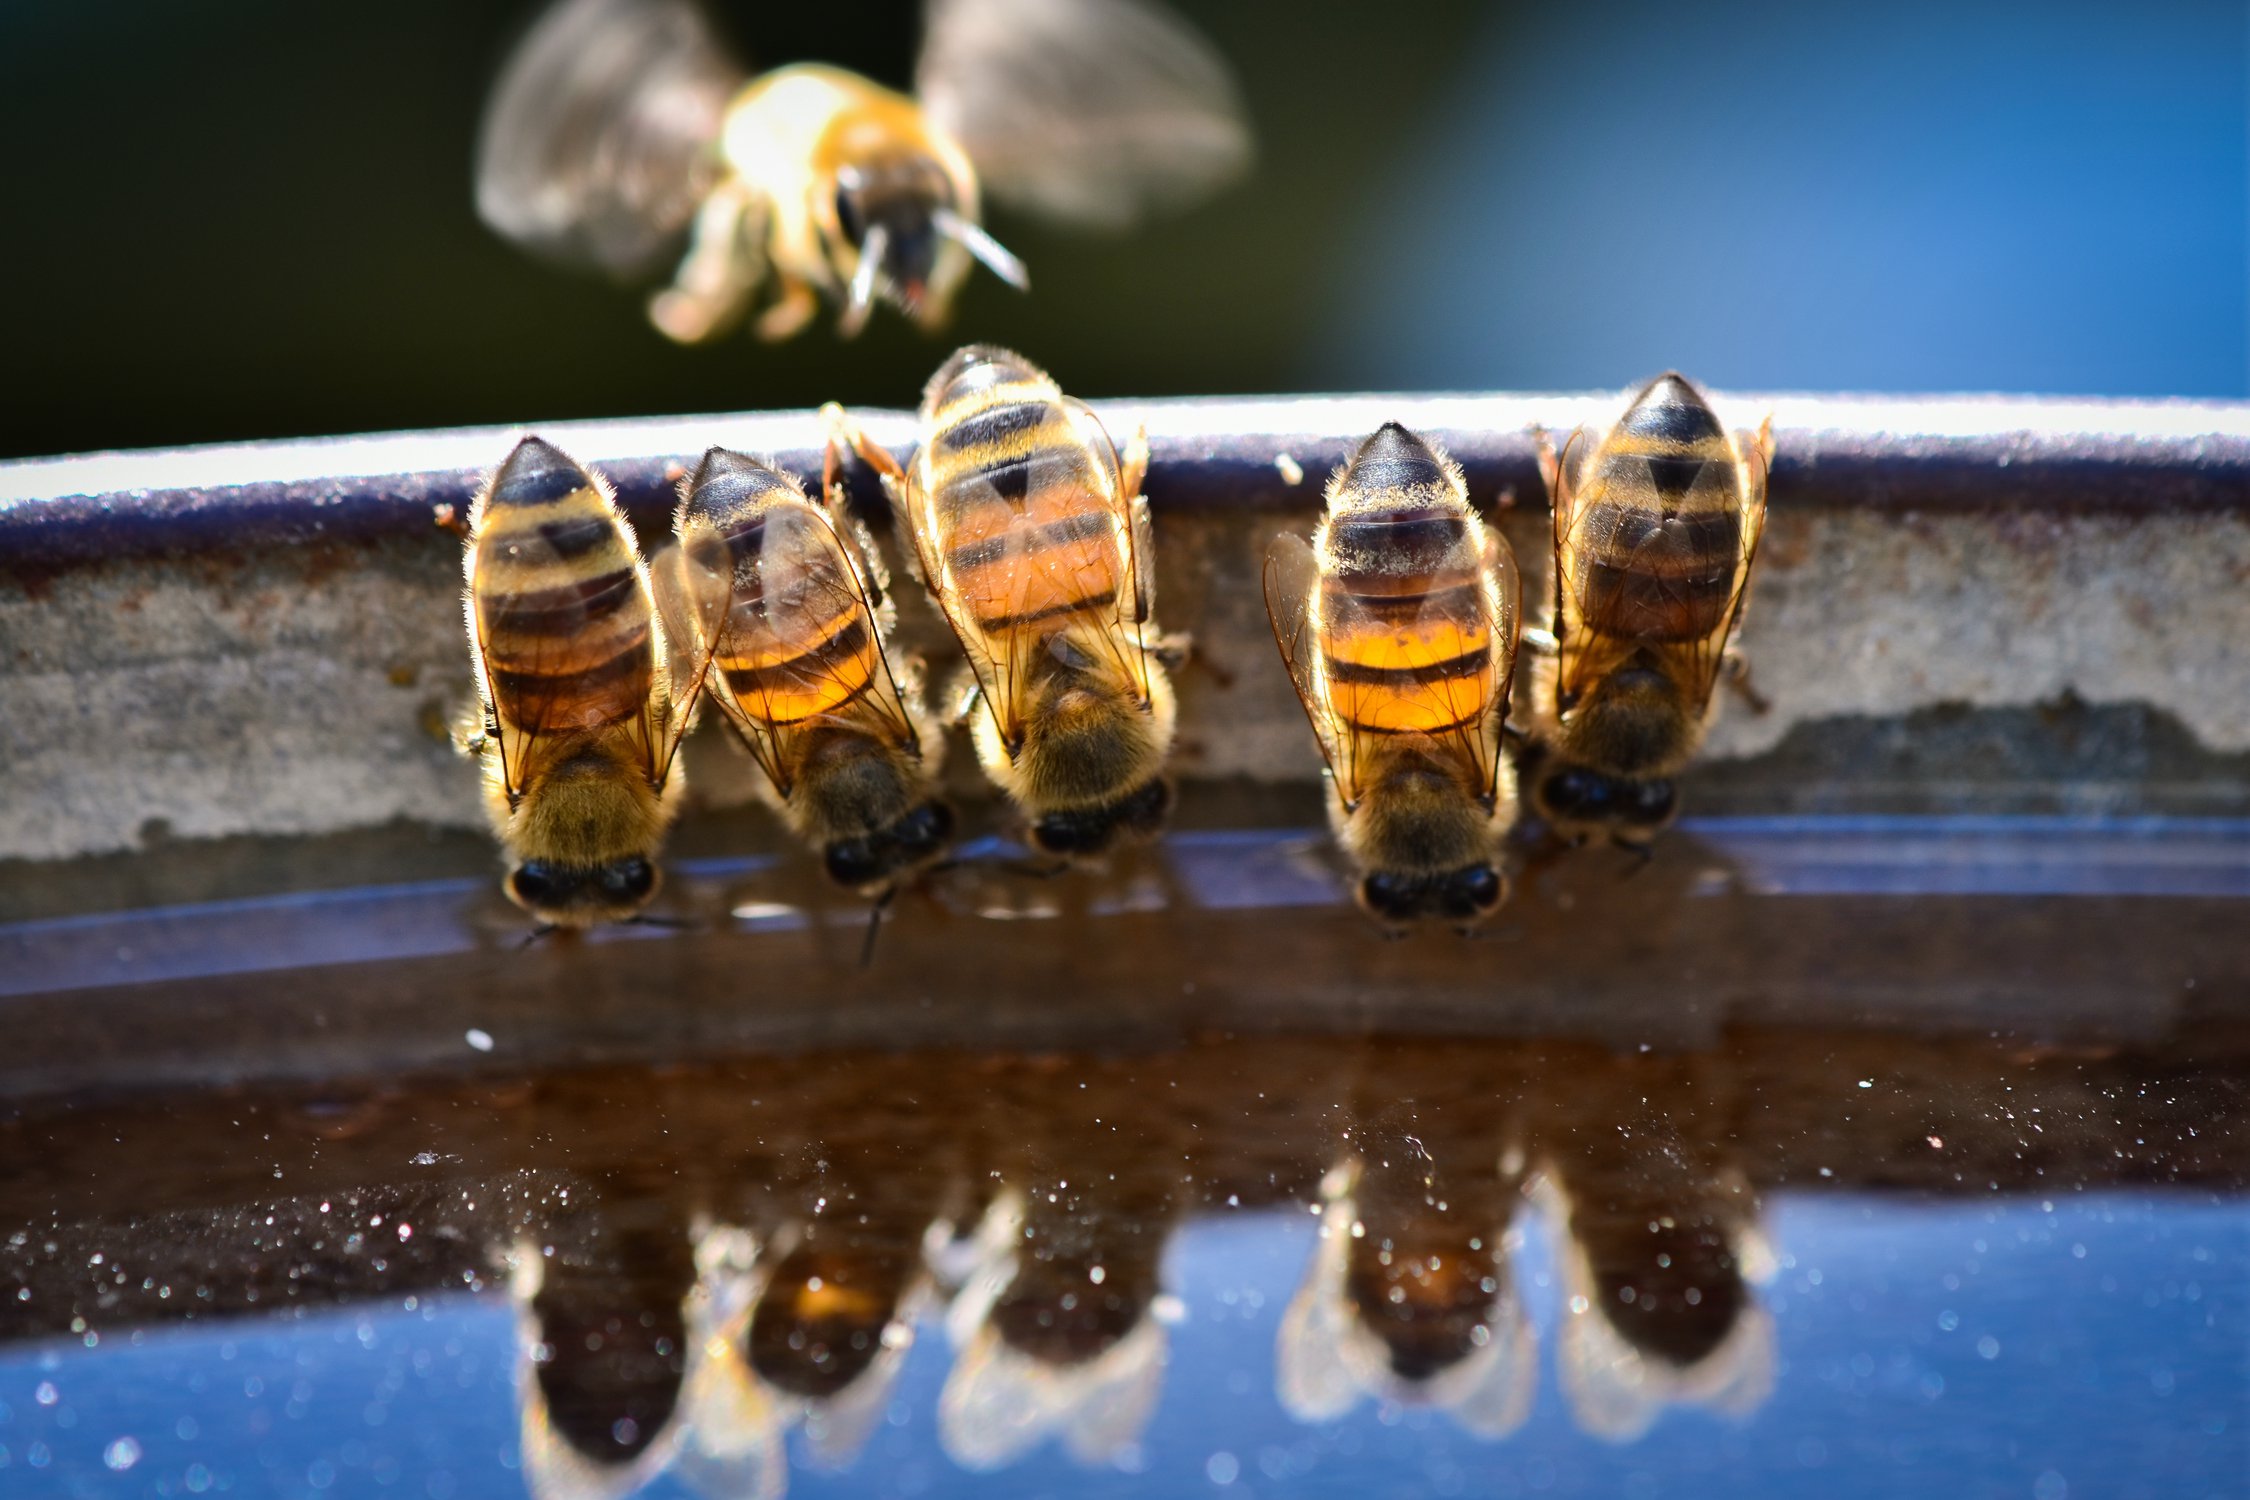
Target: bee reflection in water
(1410, 1296)
(1059, 1332)
(1661, 1253)
(604, 1354)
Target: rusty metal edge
(1900, 453)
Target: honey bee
(1656, 526)
(1055, 1338)
(1661, 1306)
(790, 608)
(617, 125)
(1399, 624)
(1033, 536)
(582, 696)
(1408, 1307)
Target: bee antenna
(874, 926)
(669, 924)
(863, 280)
(536, 933)
(972, 237)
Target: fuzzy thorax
(1087, 740)
(588, 809)
(849, 786)
(1418, 819)
(1633, 722)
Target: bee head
(872, 862)
(1082, 832)
(563, 895)
(1465, 897)
(885, 210)
(1577, 797)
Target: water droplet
(122, 1454)
(1222, 1467)
(479, 1038)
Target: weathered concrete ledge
(265, 638)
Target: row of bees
(1059, 1325)
(1400, 623)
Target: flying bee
(1398, 624)
(1656, 525)
(617, 125)
(1033, 536)
(790, 607)
(582, 695)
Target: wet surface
(1878, 1155)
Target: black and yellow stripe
(1405, 630)
(561, 609)
(1654, 552)
(797, 641)
(1019, 508)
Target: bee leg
(1643, 850)
(449, 518)
(1737, 668)
(724, 263)
(787, 317)
(1538, 641)
(972, 699)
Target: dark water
(1856, 1158)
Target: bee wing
(1022, 572)
(809, 593)
(1601, 638)
(1292, 583)
(1136, 584)
(1570, 610)
(1459, 714)
(1506, 595)
(1097, 112)
(691, 591)
(600, 138)
(546, 693)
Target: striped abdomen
(1404, 622)
(1655, 548)
(561, 609)
(1021, 509)
(797, 640)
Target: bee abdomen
(1649, 575)
(1406, 642)
(1023, 517)
(806, 646)
(785, 686)
(561, 613)
(1409, 550)
(977, 368)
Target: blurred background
(253, 218)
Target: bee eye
(1392, 897)
(537, 885)
(628, 880)
(848, 215)
(1579, 793)
(1476, 891)
(1651, 803)
(924, 829)
(1069, 833)
(853, 862)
